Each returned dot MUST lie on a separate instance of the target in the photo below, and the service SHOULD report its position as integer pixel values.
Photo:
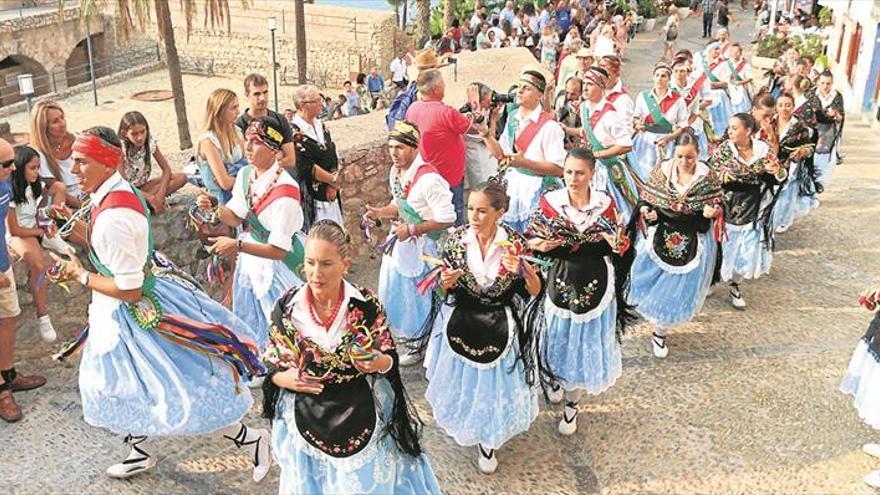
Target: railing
(60, 78)
(255, 18)
(30, 7)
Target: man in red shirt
(442, 128)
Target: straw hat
(585, 53)
(427, 59)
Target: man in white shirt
(398, 70)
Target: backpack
(400, 104)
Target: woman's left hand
(381, 363)
(711, 211)
(225, 247)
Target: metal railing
(59, 79)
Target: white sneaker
(261, 457)
(872, 449)
(47, 331)
(555, 394)
(487, 462)
(137, 461)
(568, 425)
(409, 358)
(256, 382)
(873, 479)
(57, 244)
(658, 343)
(736, 298)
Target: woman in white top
(27, 237)
(54, 144)
(220, 154)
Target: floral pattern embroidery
(455, 256)
(288, 348)
(353, 444)
(676, 244)
(571, 298)
(476, 352)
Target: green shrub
(825, 17)
(647, 9)
(770, 46)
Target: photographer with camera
(531, 143)
(478, 161)
(442, 131)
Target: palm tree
(424, 21)
(448, 13)
(299, 11)
(215, 11)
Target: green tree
(136, 13)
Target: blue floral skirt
(478, 403)
(667, 295)
(644, 156)
(255, 291)
(136, 381)
(745, 253)
(720, 115)
(380, 468)
(401, 270)
(785, 209)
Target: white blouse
(580, 218)
(547, 146)
(283, 217)
(301, 318)
(429, 196)
(486, 269)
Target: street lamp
(26, 88)
(273, 25)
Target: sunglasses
(7, 163)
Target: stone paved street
(746, 402)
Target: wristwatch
(84, 278)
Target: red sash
(742, 63)
(528, 134)
(596, 117)
(665, 104)
(118, 199)
(423, 170)
(612, 97)
(277, 192)
(695, 88)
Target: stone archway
(77, 65)
(14, 65)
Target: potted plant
(825, 17)
(648, 10)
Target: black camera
(502, 99)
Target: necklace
(252, 199)
(310, 302)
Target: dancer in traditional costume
(740, 80)
(266, 201)
(660, 116)
(794, 148)
(608, 134)
(317, 165)
(829, 117)
(160, 358)
(862, 379)
(695, 99)
(421, 199)
(615, 92)
(749, 173)
(806, 104)
(711, 71)
(579, 229)
(530, 151)
(341, 421)
(479, 362)
(675, 260)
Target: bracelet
(239, 245)
(84, 278)
(389, 367)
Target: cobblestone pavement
(746, 402)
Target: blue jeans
(458, 203)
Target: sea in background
(366, 4)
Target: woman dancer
(806, 104)
(749, 172)
(341, 422)
(860, 380)
(694, 99)
(479, 364)
(829, 117)
(675, 260)
(660, 116)
(795, 146)
(155, 361)
(579, 229)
